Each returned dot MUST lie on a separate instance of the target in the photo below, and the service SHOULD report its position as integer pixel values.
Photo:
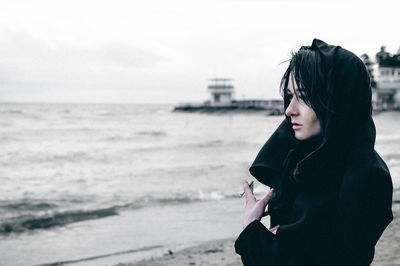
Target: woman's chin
(299, 136)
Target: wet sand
(221, 252)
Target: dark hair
(305, 67)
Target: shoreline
(215, 252)
(221, 252)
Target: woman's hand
(255, 209)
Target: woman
(331, 193)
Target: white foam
(213, 195)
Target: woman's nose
(291, 110)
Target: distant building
(221, 91)
(387, 89)
(222, 99)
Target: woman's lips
(296, 126)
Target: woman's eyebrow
(288, 90)
(296, 90)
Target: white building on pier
(222, 91)
(387, 92)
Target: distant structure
(222, 99)
(387, 86)
(221, 91)
(385, 83)
(385, 79)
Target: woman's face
(303, 118)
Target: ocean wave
(220, 143)
(150, 201)
(133, 137)
(152, 133)
(106, 114)
(34, 219)
(178, 198)
(392, 159)
(45, 157)
(214, 195)
(32, 222)
(27, 206)
(118, 138)
(208, 144)
(387, 138)
(11, 112)
(149, 146)
(396, 195)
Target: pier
(222, 100)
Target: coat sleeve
(257, 245)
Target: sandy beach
(222, 252)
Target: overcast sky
(158, 51)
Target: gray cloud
(123, 55)
(26, 60)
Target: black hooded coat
(333, 193)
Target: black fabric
(333, 194)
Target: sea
(99, 184)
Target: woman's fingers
(254, 209)
(267, 197)
(248, 192)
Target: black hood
(348, 131)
